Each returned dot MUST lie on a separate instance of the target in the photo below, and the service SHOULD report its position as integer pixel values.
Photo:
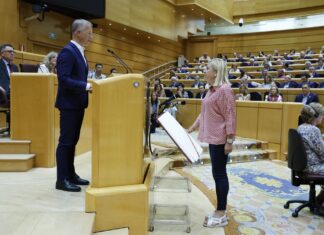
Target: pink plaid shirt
(217, 118)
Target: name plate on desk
(188, 145)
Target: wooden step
(8, 146)
(39, 223)
(16, 162)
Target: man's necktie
(10, 68)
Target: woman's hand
(191, 129)
(228, 148)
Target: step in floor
(40, 223)
(10, 146)
(243, 149)
(16, 162)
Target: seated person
(234, 69)
(97, 73)
(276, 52)
(303, 56)
(281, 73)
(189, 76)
(312, 73)
(261, 54)
(246, 80)
(249, 55)
(273, 95)
(240, 59)
(308, 64)
(252, 62)
(309, 51)
(174, 81)
(306, 97)
(197, 82)
(183, 70)
(243, 93)
(286, 56)
(322, 50)
(312, 116)
(181, 93)
(154, 111)
(264, 73)
(6, 67)
(305, 79)
(287, 67)
(268, 67)
(292, 52)
(158, 81)
(186, 64)
(288, 82)
(49, 63)
(202, 92)
(269, 59)
(320, 65)
(204, 58)
(113, 71)
(159, 90)
(280, 62)
(267, 82)
(203, 67)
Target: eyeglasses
(9, 51)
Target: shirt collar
(6, 62)
(81, 48)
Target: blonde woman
(217, 126)
(49, 63)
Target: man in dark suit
(288, 82)
(71, 100)
(306, 97)
(6, 68)
(202, 92)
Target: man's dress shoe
(65, 185)
(79, 181)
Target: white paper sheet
(188, 145)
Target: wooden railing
(160, 70)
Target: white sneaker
(213, 221)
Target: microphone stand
(120, 61)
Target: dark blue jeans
(218, 162)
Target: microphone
(120, 61)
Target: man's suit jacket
(291, 84)
(201, 95)
(310, 98)
(5, 77)
(72, 73)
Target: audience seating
(297, 162)
(29, 68)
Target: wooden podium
(118, 193)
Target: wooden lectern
(118, 193)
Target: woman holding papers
(217, 126)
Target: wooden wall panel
(251, 7)
(10, 30)
(139, 52)
(267, 42)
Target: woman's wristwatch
(229, 140)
